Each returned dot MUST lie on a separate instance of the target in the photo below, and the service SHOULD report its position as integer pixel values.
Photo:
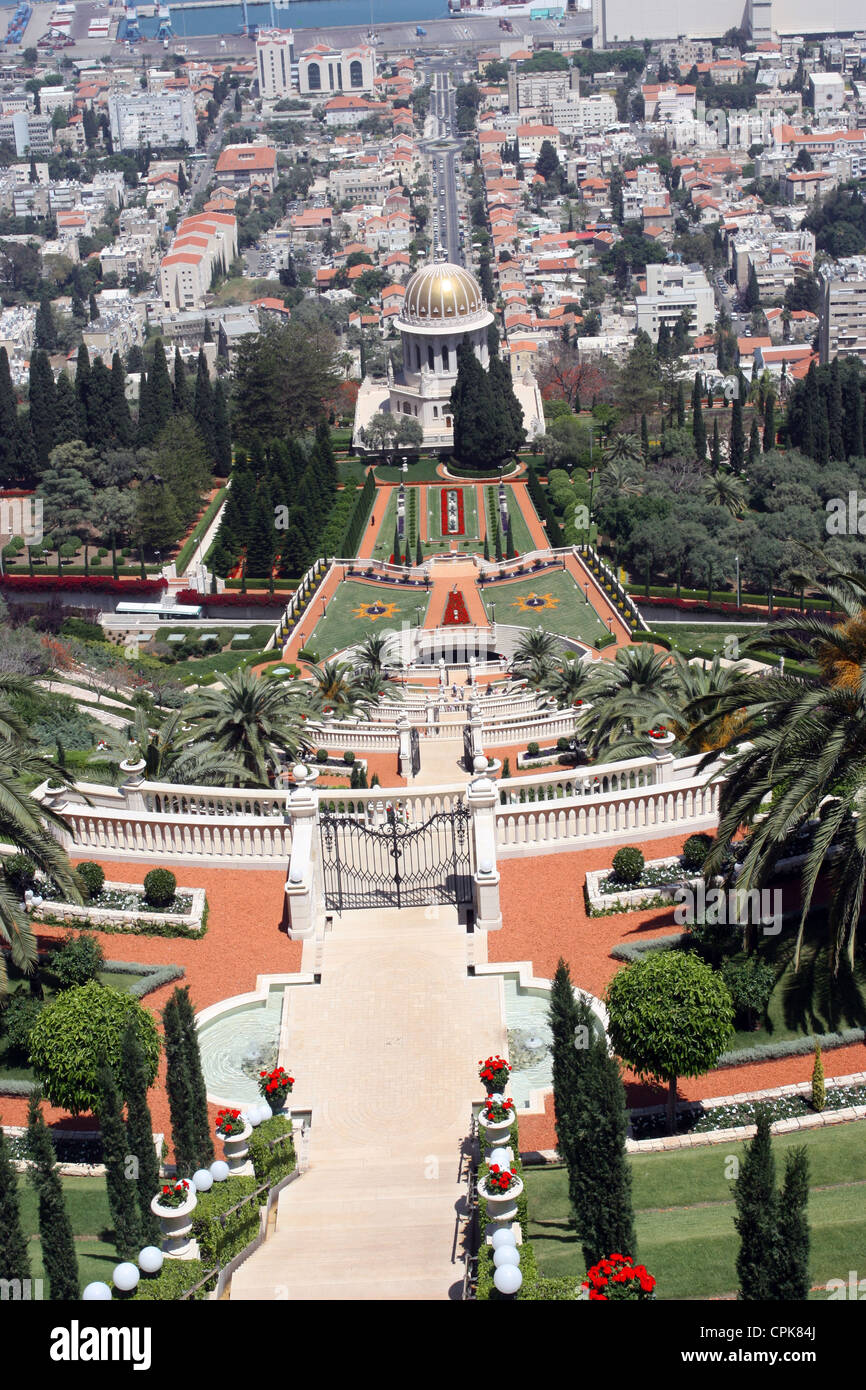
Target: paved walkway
(385, 1054)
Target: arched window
(406, 408)
(445, 366)
(314, 77)
(356, 74)
(417, 357)
(431, 360)
(435, 412)
(448, 421)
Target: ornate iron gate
(396, 865)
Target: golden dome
(442, 293)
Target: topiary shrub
(20, 873)
(91, 876)
(627, 865)
(562, 745)
(819, 1094)
(348, 757)
(532, 749)
(78, 1029)
(77, 961)
(321, 755)
(18, 1019)
(695, 851)
(750, 983)
(159, 887)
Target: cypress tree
(853, 416)
(121, 418)
(100, 404)
(139, 1131)
(419, 551)
(222, 432)
(179, 1088)
(790, 1274)
(67, 421)
(397, 547)
(263, 536)
(756, 1220)
(14, 1261)
(769, 422)
(737, 437)
(157, 402)
(82, 388)
(203, 406)
(564, 1020)
(822, 432)
(180, 390)
(55, 1229)
(326, 454)
(94, 308)
(754, 441)
(681, 406)
(811, 408)
(834, 413)
(8, 423)
(602, 1184)
(498, 544)
(699, 429)
(45, 329)
(201, 1128)
(43, 407)
(716, 450)
(644, 437)
(509, 542)
(121, 1191)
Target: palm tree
(690, 707)
(623, 477)
(371, 652)
(624, 692)
(807, 759)
(26, 826)
(167, 755)
(623, 447)
(725, 490)
(572, 682)
(249, 720)
(374, 686)
(535, 646)
(337, 689)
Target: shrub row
(272, 1161)
(173, 1280)
(220, 1236)
(82, 581)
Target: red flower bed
(446, 491)
(231, 600)
(456, 614)
(618, 1278)
(84, 581)
(701, 606)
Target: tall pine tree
(43, 407)
(115, 1145)
(14, 1261)
(179, 1088)
(699, 429)
(754, 441)
(769, 422)
(222, 453)
(55, 1229)
(201, 1127)
(139, 1130)
(203, 406)
(180, 389)
(602, 1185)
(8, 424)
(790, 1276)
(756, 1220)
(737, 442)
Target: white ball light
(506, 1255)
(125, 1276)
(202, 1180)
(502, 1237)
(97, 1293)
(500, 1156)
(265, 1111)
(252, 1116)
(219, 1170)
(486, 866)
(508, 1278)
(151, 1259)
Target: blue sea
(306, 14)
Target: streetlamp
(323, 607)
(586, 592)
(591, 475)
(737, 558)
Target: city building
(334, 70)
(843, 310)
(156, 120)
(671, 289)
(27, 133)
(275, 51)
(248, 165)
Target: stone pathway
(385, 1054)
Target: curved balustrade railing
(640, 810)
(163, 837)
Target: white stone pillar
(481, 798)
(404, 730)
(664, 757)
(303, 809)
(476, 726)
(133, 777)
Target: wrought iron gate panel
(396, 865)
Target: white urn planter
(176, 1225)
(661, 746)
(236, 1148)
(496, 1132)
(501, 1206)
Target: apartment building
(247, 165)
(334, 70)
(843, 313)
(203, 245)
(668, 102)
(275, 51)
(156, 120)
(828, 91)
(670, 289)
(27, 133)
(581, 116)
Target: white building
(335, 70)
(669, 290)
(166, 119)
(275, 50)
(843, 310)
(203, 244)
(828, 91)
(442, 307)
(581, 116)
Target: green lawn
(709, 636)
(519, 530)
(340, 627)
(684, 1213)
(437, 539)
(571, 615)
(87, 1204)
(420, 471)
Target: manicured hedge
(104, 583)
(271, 1161)
(217, 1242)
(173, 1280)
(232, 600)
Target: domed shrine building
(442, 307)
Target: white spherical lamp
(219, 1170)
(502, 1237)
(265, 1112)
(202, 1180)
(500, 1156)
(508, 1279)
(97, 1293)
(486, 866)
(506, 1255)
(252, 1116)
(150, 1259)
(126, 1276)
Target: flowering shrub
(84, 581)
(616, 1279)
(174, 1194)
(495, 1111)
(500, 1180)
(229, 1122)
(231, 600)
(494, 1073)
(275, 1086)
(658, 731)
